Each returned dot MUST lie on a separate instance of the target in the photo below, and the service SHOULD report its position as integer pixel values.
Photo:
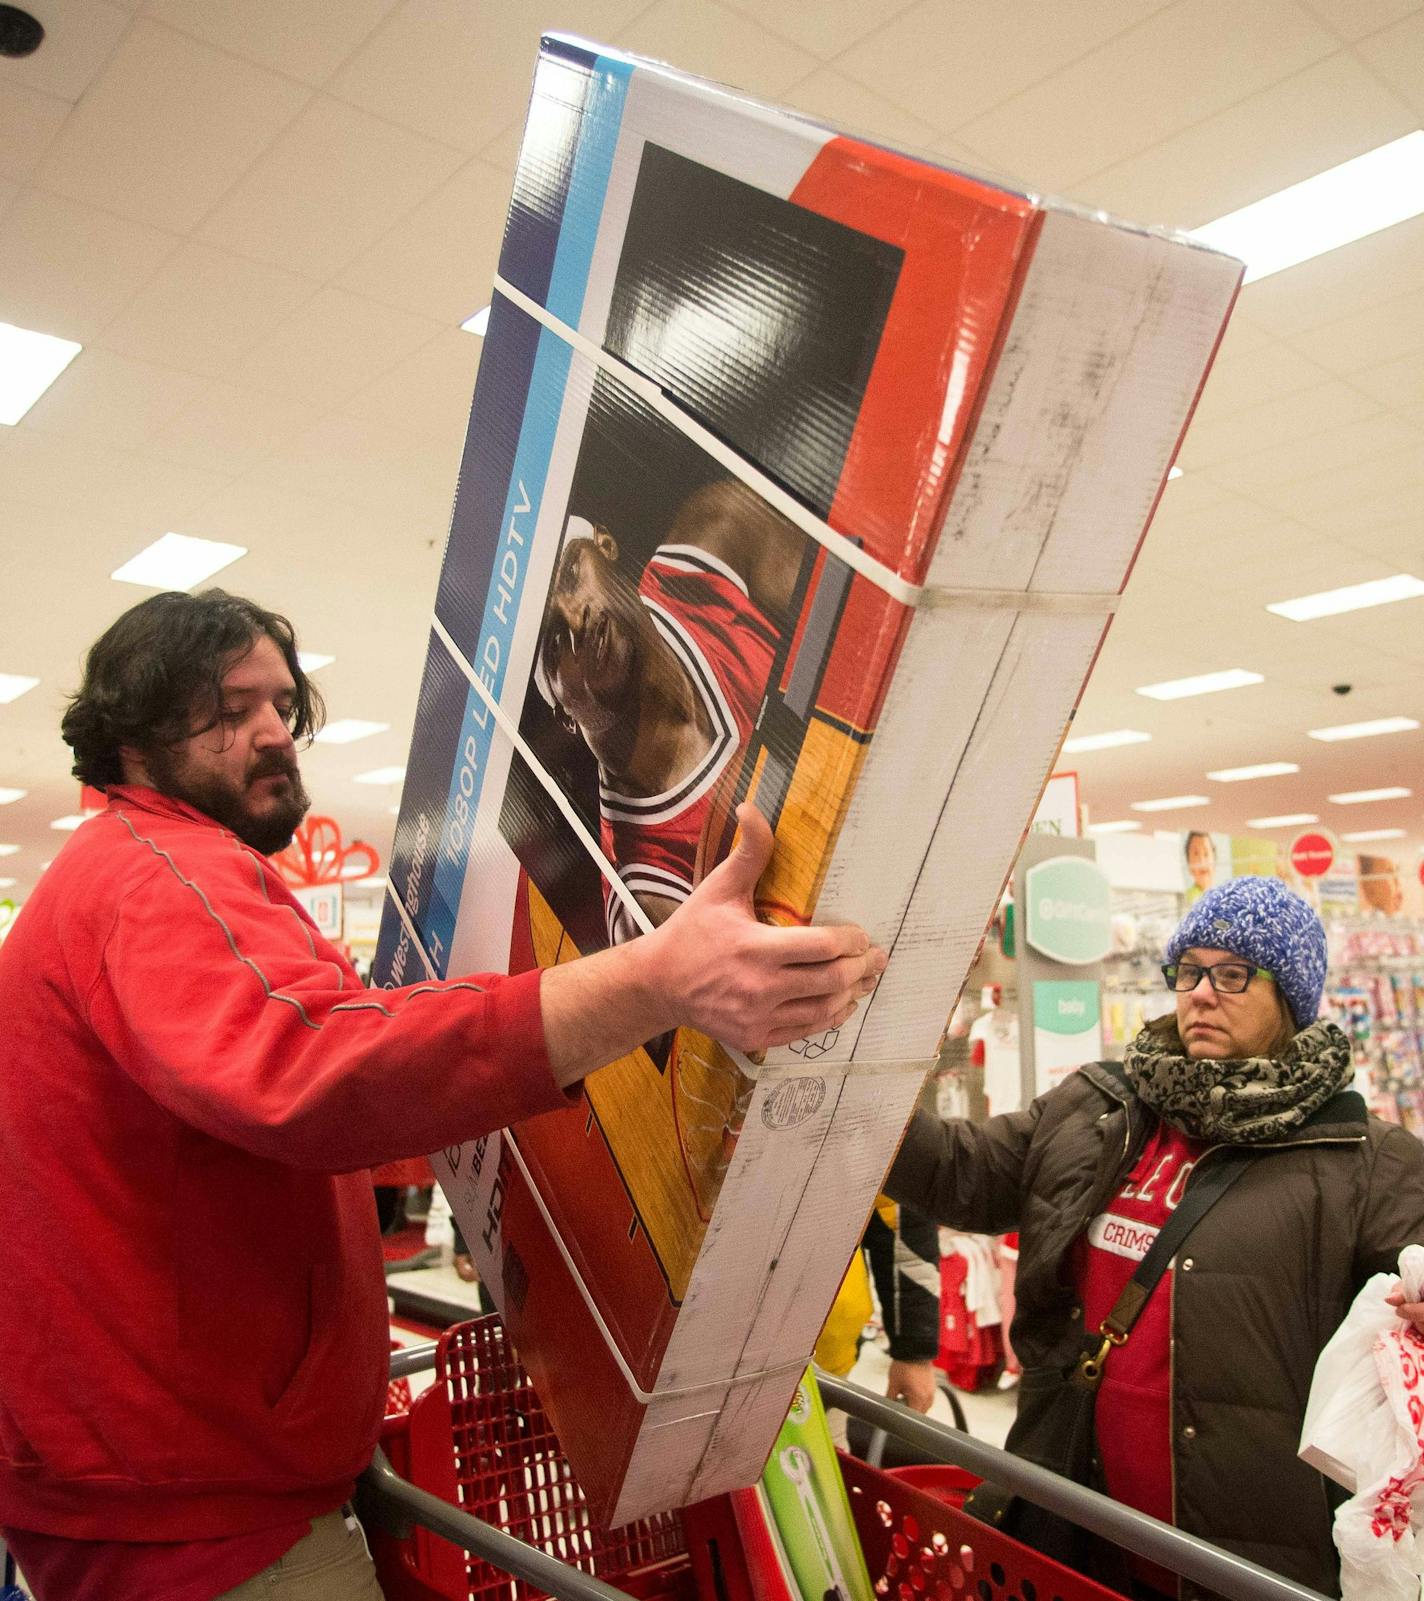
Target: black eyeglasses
(1226, 978)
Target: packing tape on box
(837, 544)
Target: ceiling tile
(1397, 55)
(8, 190)
(1355, 19)
(168, 128)
(1332, 111)
(1317, 491)
(429, 392)
(1343, 447)
(389, 470)
(702, 37)
(440, 258)
(327, 189)
(1341, 282)
(947, 61)
(28, 124)
(1182, 64)
(107, 484)
(833, 98)
(111, 399)
(824, 27)
(80, 36)
(68, 269)
(1237, 382)
(1371, 336)
(1395, 383)
(205, 309)
(459, 72)
(1332, 404)
(336, 344)
(307, 41)
(229, 430)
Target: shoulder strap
(1213, 1182)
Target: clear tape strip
(846, 550)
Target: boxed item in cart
(799, 471)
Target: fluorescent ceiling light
(8, 883)
(177, 561)
(1126, 826)
(1119, 736)
(29, 364)
(311, 661)
(1365, 835)
(345, 729)
(1380, 725)
(67, 825)
(1202, 684)
(13, 685)
(1171, 803)
(1334, 208)
(381, 775)
(1290, 820)
(1354, 597)
(1173, 472)
(1238, 775)
(8, 850)
(372, 881)
(9, 796)
(1358, 797)
(479, 323)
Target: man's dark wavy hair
(154, 678)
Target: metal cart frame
(395, 1504)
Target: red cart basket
(479, 1440)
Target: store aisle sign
(1067, 1028)
(1312, 855)
(1069, 915)
(322, 903)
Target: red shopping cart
(478, 1440)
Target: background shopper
(1199, 1414)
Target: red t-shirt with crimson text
(1134, 1406)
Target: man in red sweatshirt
(192, 1086)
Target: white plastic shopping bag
(1364, 1427)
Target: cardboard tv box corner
(802, 471)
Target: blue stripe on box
(496, 631)
(604, 98)
(441, 710)
(492, 442)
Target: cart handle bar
(413, 1359)
(383, 1490)
(1218, 1570)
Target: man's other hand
(747, 984)
(913, 1383)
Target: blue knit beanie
(1259, 920)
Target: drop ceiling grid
(269, 313)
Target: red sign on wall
(1312, 855)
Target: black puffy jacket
(1263, 1282)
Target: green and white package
(809, 1508)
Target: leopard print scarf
(1252, 1102)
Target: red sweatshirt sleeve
(216, 996)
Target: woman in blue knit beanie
(1198, 1411)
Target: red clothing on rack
(968, 1355)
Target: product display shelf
(1133, 989)
(1375, 992)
